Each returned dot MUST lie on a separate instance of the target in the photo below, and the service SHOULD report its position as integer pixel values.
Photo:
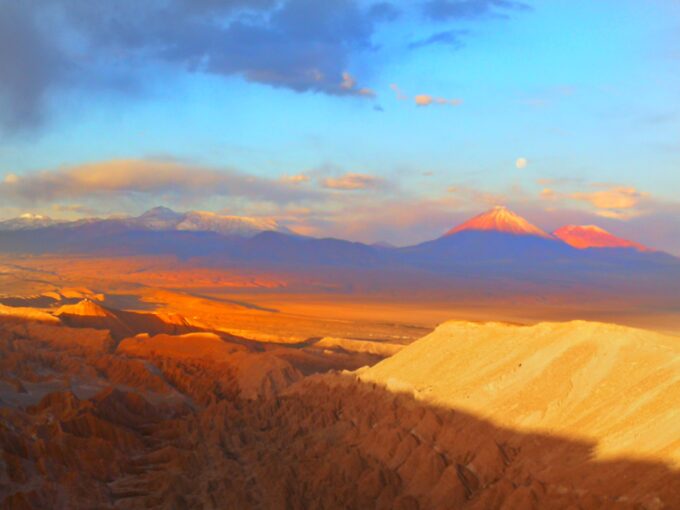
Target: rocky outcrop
(153, 426)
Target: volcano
(497, 240)
(592, 236)
(500, 219)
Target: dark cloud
(384, 11)
(444, 10)
(447, 37)
(303, 45)
(29, 66)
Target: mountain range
(162, 219)
(495, 244)
(157, 219)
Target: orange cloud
(549, 194)
(615, 202)
(427, 100)
(295, 179)
(351, 181)
(348, 83)
(615, 198)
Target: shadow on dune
(36, 301)
(335, 442)
(122, 324)
(328, 442)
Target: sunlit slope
(616, 385)
(592, 236)
(500, 219)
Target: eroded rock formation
(151, 424)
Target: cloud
(404, 218)
(398, 92)
(72, 208)
(427, 100)
(30, 65)
(607, 201)
(301, 45)
(384, 11)
(549, 194)
(444, 10)
(351, 182)
(619, 197)
(295, 179)
(466, 195)
(400, 219)
(450, 38)
(144, 179)
(521, 163)
(47, 46)
(348, 82)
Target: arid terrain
(497, 366)
(126, 383)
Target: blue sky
(317, 100)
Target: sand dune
(351, 345)
(192, 345)
(27, 313)
(594, 381)
(120, 323)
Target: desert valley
(186, 380)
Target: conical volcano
(592, 236)
(500, 219)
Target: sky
(366, 120)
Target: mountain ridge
(157, 219)
(592, 236)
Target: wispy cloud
(619, 197)
(427, 100)
(607, 201)
(443, 10)
(400, 95)
(150, 178)
(295, 179)
(451, 38)
(351, 182)
(349, 84)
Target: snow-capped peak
(500, 219)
